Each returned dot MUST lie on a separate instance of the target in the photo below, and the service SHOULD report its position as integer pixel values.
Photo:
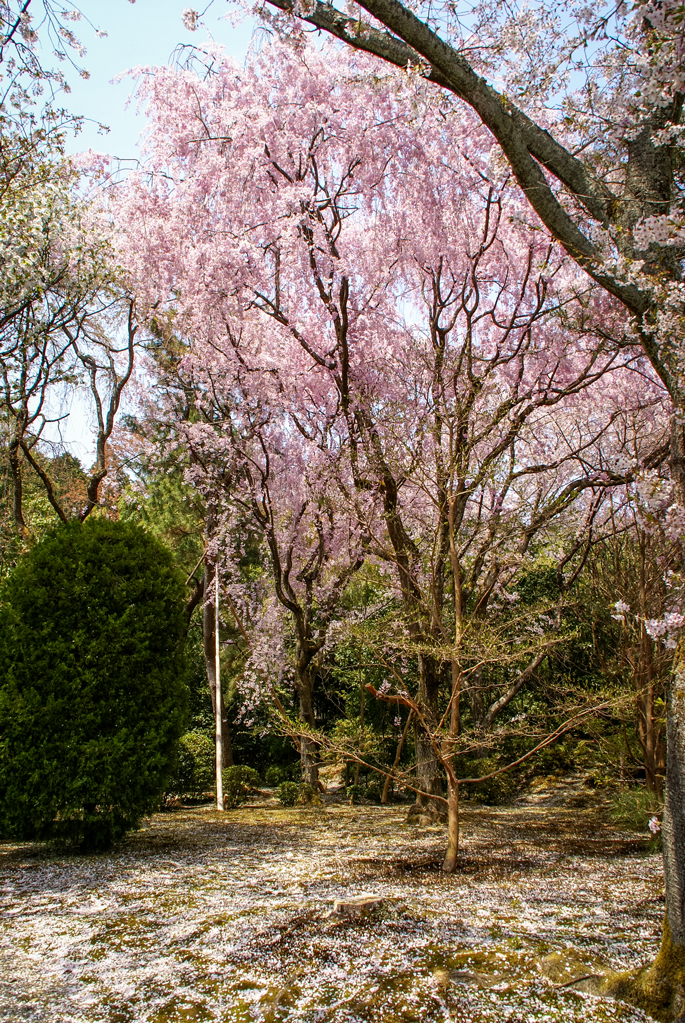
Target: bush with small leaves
(92, 683)
(288, 793)
(374, 790)
(195, 766)
(273, 776)
(633, 808)
(354, 793)
(238, 782)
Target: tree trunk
(450, 861)
(475, 693)
(660, 988)
(673, 825)
(427, 764)
(398, 754)
(17, 485)
(218, 699)
(304, 683)
(361, 719)
(226, 735)
(452, 851)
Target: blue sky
(146, 32)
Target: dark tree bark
(305, 678)
(427, 765)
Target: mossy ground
(207, 917)
(659, 987)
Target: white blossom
(190, 18)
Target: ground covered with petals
(205, 917)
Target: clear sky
(146, 32)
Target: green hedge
(92, 689)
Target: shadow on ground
(208, 917)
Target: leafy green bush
(374, 790)
(288, 793)
(276, 773)
(273, 776)
(355, 792)
(92, 689)
(238, 782)
(195, 766)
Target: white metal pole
(217, 694)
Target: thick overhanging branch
(527, 147)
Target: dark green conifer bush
(195, 766)
(238, 781)
(92, 688)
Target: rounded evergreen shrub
(288, 793)
(238, 782)
(273, 776)
(92, 688)
(194, 773)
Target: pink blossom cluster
(666, 628)
(369, 325)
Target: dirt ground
(208, 917)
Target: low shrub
(273, 776)
(355, 792)
(288, 793)
(195, 765)
(238, 782)
(374, 790)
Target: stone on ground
(358, 905)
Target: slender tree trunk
(475, 694)
(304, 683)
(450, 861)
(396, 762)
(452, 851)
(427, 765)
(208, 648)
(218, 702)
(226, 735)
(17, 488)
(645, 674)
(361, 718)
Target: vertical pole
(217, 698)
